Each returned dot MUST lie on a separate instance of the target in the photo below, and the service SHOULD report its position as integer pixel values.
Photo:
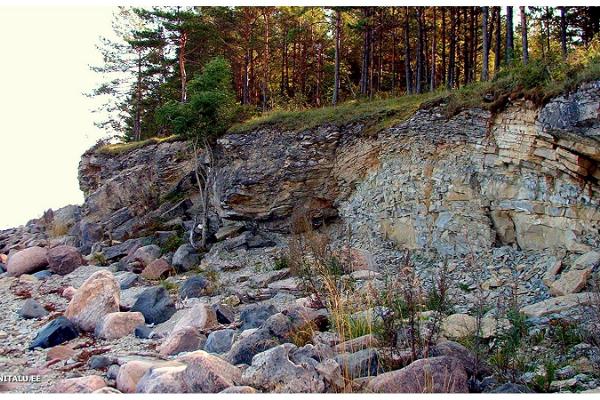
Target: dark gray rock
(193, 287)
(254, 315)
(155, 304)
(225, 314)
(185, 258)
(512, 388)
(143, 332)
(32, 309)
(91, 233)
(54, 333)
(42, 275)
(219, 341)
(247, 347)
(2, 268)
(101, 362)
(113, 371)
(127, 279)
(122, 249)
(360, 364)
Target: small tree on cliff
(209, 112)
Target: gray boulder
(254, 315)
(219, 341)
(32, 309)
(185, 258)
(193, 287)
(155, 304)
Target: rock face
(523, 176)
(63, 260)
(428, 375)
(121, 190)
(27, 261)
(98, 296)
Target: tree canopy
(182, 70)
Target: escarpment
(477, 219)
(526, 176)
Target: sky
(45, 121)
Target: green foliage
(116, 149)
(537, 81)
(99, 259)
(377, 114)
(171, 244)
(566, 334)
(171, 287)
(541, 383)
(211, 107)
(280, 263)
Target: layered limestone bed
(508, 202)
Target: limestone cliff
(526, 176)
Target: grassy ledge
(116, 149)
(378, 114)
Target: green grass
(377, 114)
(537, 81)
(116, 149)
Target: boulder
(225, 314)
(559, 304)
(147, 254)
(360, 364)
(63, 260)
(118, 324)
(99, 295)
(195, 286)
(130, 374)
(427, 375)
(589, 260)
(200, 316)
(239, 390)
(85, 384)
(107, 390)
(249, 345)
(27, 261)
(184, 339)
(128, 247)
(42, 275)
(197, 372)
(91, 233)
(100, 361)
(219, 342)
(68, 292)
(155, 304)
(272, 371)
(457, 326)
(570, 282)
(185, 258)
(61, 352)
(468, 359)
(143, 332)
(54, 333)
(254, 315)
(126, 279)
(32, 309)
(512, 388)
(157, 269)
